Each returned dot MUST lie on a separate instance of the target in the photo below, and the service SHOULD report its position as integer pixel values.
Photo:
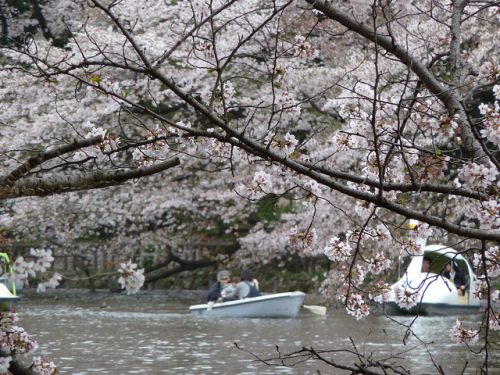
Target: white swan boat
(436, 294)
(8, 290)
(279, 305)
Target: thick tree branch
(43, 156)
(92, 180)
(456, 63)
(183, 265)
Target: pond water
(154, 335)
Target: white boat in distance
(436, 294)
(279, 305)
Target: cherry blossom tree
(355, 116)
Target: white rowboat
(279, 305)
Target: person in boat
(246, 288)
(453, 274)
(219, 287)
(230, 287)
(426, 265)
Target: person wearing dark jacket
(215, 291)
(454, 275)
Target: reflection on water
(133, 336)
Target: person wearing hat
(215, 291)
(454, 275)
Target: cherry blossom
(355, 306)
(131, 278)
(303, 49)
(42, 366)
(378, 263)
(492, 257)
(52, 283)
(337, 250)
(407, 297)
(43, 259)
(5, 364)
(381, 293)
(7, 320)
(495, 321)
(16, 339)
(478, 175)
(461, 335)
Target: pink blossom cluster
(43, 259)
(93, 131)
(378, 263)
(480, 291)
(313, 188)
(24, 269)
(16, 339)
(5, 364)
(158, 147)
(492, 260)
(478, 175)
(461, 335)
(356, 306)
(495, 321)
(220, 99)
(490, 70)
(337, 250)
(305, 240)
(356, 274)
(8, 320)
(489, 214)
(260, 185)
(219, 149)
(381, 292)
(131, 278)
(407, 297)
(288, 104)
(41, 366)
(302, 48)
(284, 144)
(52, 283)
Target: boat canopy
(440, 256)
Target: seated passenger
(230, 287)
(454, 275)
(246, 288)
(216, 290)
(426, 265)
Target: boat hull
(280, 305)
(392, 308)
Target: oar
(316, 309)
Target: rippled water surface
(146, 335)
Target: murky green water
(145, 335)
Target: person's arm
(241, 291)
(235, 292)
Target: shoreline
(176, 294)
